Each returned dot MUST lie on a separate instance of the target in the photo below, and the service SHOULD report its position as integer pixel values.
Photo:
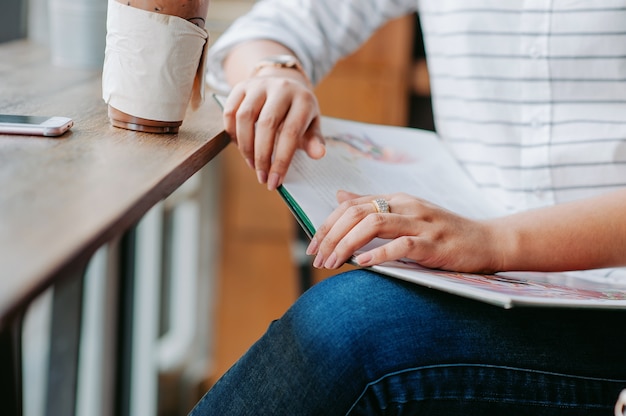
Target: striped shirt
(530, 98)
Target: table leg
(64, 345)
(125, 323)
(11, 367)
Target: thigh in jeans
(362, 343)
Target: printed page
(373, 159)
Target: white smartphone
(34, 125)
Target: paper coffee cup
(153, 67)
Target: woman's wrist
(250, 59)
(281, 65)
(503, 247)
(283, 73)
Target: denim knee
(332, 320)
(354, 321)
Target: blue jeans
(364, 344)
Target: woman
(531, 101)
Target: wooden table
(62, 198)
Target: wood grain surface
(62, 198)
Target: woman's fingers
(394, 249)
(241, 113)
(314, 144)
(416, 229)
(348, 200)
(270, 122)
(358, 207)
(269, 118)
(229, 114)
(353, 224)
(292, 134)
(339, 245)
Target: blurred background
(229, 258)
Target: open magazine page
(374, 159)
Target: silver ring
(381, 205)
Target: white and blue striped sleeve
(319, 32)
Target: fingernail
(273, 181)
(331, 262)
(312, 248)
(261, 175)
(319, 261)
(250, 163)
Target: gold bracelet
(279, 61)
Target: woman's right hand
(269, 116)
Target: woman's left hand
(416, 229)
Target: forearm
(581, 235)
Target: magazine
(375, 159)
